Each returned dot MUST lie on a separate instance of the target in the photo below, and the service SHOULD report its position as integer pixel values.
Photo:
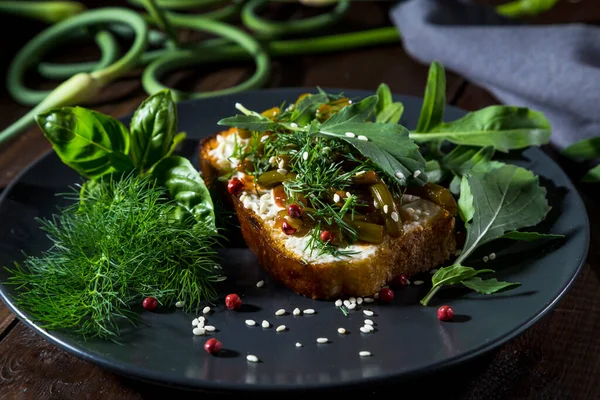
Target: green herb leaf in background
(153, 128)
(451, 275)
(306, 108)
(529, 236)
(91, 143)
(387, 111)
(586, 150)
(525, 8)
(251, 122)
(488, 286)
(187, 188)
(432, 111)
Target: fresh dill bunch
(114, 246)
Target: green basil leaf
(504, 199)
(522, 8)
(386, 145)
(187, 188)
(91, 143)
(306, 109)
(583, 150)
(152, 129)
(529, 236)
(180, 137)
(488, 286)
(593, 175)
(251, 122)
(503, 127)
(432, 110)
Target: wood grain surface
(558, 358)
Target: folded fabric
(554, 69)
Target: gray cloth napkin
(554, 69)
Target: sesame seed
(336, 198)
(369, 322)
(252, 358)
(415, 217)
(296, 311)
(418, 212)
(352, 299)
(338, 303)
(210, 328)
(385, 209)
(433, 271)
(348, 194)
(346, 303)
(364, 329)
(199, 331)
(350, 134)
(264, 138)
(282, 171)
(361, 137)
(416, 173)
(280, 312)
(410, 210)
(298, 344)
(281, 164)
(400, 175)
(250, 322)
(326, 149)
(195, 322)
(294, 125)
(370, 328)
(359, 173)
(309, 311)
(349, 102)
(206, 310)
(375, 204)
(492, 256)
(341, 331)
(394, 216)
(305, 155)
(280, 328)
(272, 160)
(368, 313)
(426, 213)
(265, 324)
(417, 283)
(322, 340)
(485, 258)
(364, 353)
(368, 300)
(201, 319)
(260, 283)
(359, 301)
(352, 306)
(179, 304)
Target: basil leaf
(387, 111)
(593, 175)
(583, 150)
(91, 143)
(451, 275)
(529, 236)
(180, 137)
(522, 8)
(386, 145)
(503, 127)
(432, 110)
(488, 286)
(307, 107)
(187, 188)
(152, 128)
(504, 199)
(251, 122)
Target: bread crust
(422, 248)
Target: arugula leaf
(529, 236)
(187, 188)
(386, 145)
(462, 159)
(451, 275)
(153, 128)
(583, 150)
(387, 111)
(503, 200)
(521, 8)
(466, 209)
(306, 108)
(251, 122)
(91, 143)
(503, 127)
(488, 286)
(434, 171)
(432, 111)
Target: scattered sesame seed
(352, 299)
(309, 311)
(433, 271)
(210, 328)
(280, 328)
(400, 175)
(195, 322)
(364, 329)
(179, 304)
(385, 209)
(326, 149)
(375, 204)
(349, 102)
(346, 303)
(252, 358)
(415, 217)
(264, 138)
(359, 300)
(485, 258)
(250, 322)
(352, 306)
(260, 283)
(265, 324)
(305, 155)
(350, 134)
(296, 311)
(394, 216)
(298, 344)
(361, 137)
(368, 313)
(199, 331)
(206, 310)
(418, 212)
(294, 125)
(492, 256)
(416, 173)
(369, 300)
(281, 164)
(280, 312)
(282, 171)
(272, 160)
(410, 210)
(348, 194)
(336, 198)
(359, 173)
(369, 322)
(370, 328)
(426, 213)
(322, 340)
(364, 353)
(201, 319)
(417, 283)
(341, 331)
(338, 303)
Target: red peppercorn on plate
(260, 335)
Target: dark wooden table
(558, 358)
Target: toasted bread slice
(428, 239)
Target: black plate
(409, 338)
